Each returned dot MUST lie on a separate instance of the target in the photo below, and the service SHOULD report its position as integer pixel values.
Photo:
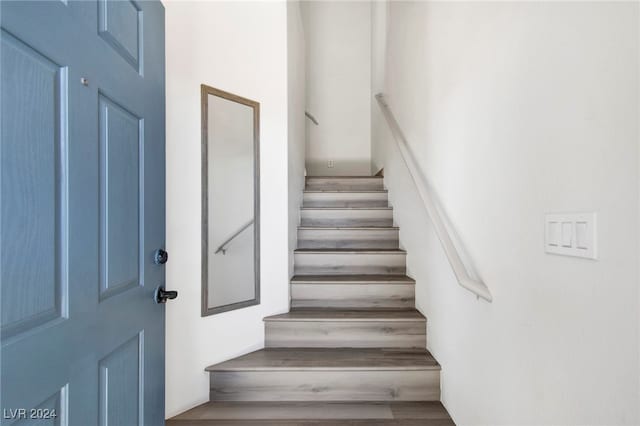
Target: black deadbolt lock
(160, 257)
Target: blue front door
(82, 212)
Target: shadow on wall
(327, 167)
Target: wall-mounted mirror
(230, 201)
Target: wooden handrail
(477, 287)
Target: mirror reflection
(230, 276)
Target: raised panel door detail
(121, 142)
(33, 157)
(121, 384)
(51, 412)
(120, 24)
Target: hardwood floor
(352, 349)
(315, 413)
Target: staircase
(352, 349)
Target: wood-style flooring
(315, 414)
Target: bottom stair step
(216, 413)
(327, 374)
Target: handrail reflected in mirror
(311, 117)
(223, 247)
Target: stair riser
(344, 184)
(345, 334)
(349, 263)
(348, 238)
(376, 217)
(345, 199)
(352, 296)
(355, 385)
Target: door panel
(82, 211)
(54, 404)
(121, 155)
(123, 369)
(119, 23)
(33, 189)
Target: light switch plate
(571, 234)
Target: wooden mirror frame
(205, 91)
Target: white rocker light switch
(571, 234)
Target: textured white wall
(379, 15)
(338, 52)
(296, 93)
(240, 47)
(513, 110)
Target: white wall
(379, 15)
(297, 99)
(514, 110)
(224, 45)
(338, 52)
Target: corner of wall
(296, 130)
(259, 34)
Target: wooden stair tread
(314, 422)
(352, 279)
(350, 250)
(349, 228)
(344, 177)
(356, 315)
(292, 359)
(346, 191)
(283, 412)
(347, 208)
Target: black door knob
(160, 257)
(162, 295)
